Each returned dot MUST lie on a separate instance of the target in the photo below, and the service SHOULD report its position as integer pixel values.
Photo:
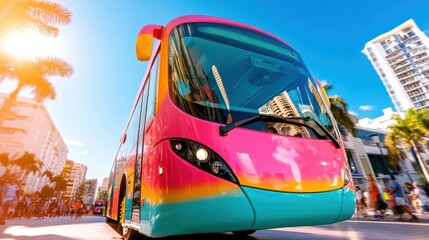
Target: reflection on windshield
(222, 74)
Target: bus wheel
(244, 233)
(131, 234)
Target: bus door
(148, 96)
(139, 158)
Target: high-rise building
(75, 176)
(102, 190)
(401, 59)
(90, 191)
(28, 127)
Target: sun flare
(29, 44)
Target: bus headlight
(203, 158)
(202, 154)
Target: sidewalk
(47, 221)
(424, 217)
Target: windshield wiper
(223, 130)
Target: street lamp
(376, 139)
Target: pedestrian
(73, 209)
(8, 195)
(412, 196)
(376, 198)
(400, 196)
(422, 200)
(360, 203)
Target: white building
(29, 127)
(103, 188)
(381, 122)
(366, 157)
(90, 191)
(401, 59)
(75, 180)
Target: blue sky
(92, 106)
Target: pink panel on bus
(178, 180)
(259, 159)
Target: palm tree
(18, 15)
(42, 16)
(47, 191)
(60, 184)
(28, 163)
(34, 73)
(4, 159)
(339, 109)
(407, 133)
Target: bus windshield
(225, 74)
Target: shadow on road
(211, 236)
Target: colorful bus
(99, 207)
(229, 132)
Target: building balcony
(16, 124)
(407, 69)
(424, 68)
(408, 75)
(397, 60)
(405, 65)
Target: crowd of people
(15, 204)
(409, 199)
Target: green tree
(407, 133)
(101, 195)
(339, 108)
(79, 193)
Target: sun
(28, 44)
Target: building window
(352, 164)
(379, 164)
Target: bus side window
(153, 83)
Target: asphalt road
(94, 228)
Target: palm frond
(43, 28)
(4, 159)
(326, 86)
(43, 90)
(49, 12)
(55, 66)
(41, 15)
(49, 175)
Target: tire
(243, 232)
(131, 234)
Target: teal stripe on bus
(218, 214)
(280, 209)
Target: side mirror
(144, 43)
